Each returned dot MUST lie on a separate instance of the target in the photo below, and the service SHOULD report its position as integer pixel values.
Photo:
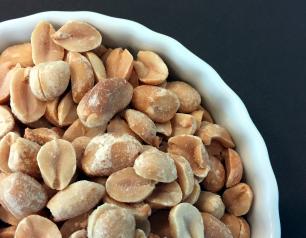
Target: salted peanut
(215, 178)
(5, 79)
(18, 54)
(185, 176)
(186, 221)
(79, 234)
(57, 163)
(22, 157)
(150, 68)
(97, 66)
(214, 227)
(79, 144)
(233, 224)
(5, 147)
(140, 233)
(41, 135)
(244, 228)
(183, 124)
(77, 36)
(119, 64)
(74, 224)
(238, 199)
(142, 126)
(160, 223)
(126, 186)
(8, 232)
(164, 128)
(67, 110)
(209, 132)
(189, 98)
(165, 195)
(156, 165)
(22, 195)
(216, 149)
(233, 166)
(25, 106)
(103, 101)
(51, 113)
(158, 103)
(43, 48)
(134, 79)
(7, 217)
(119, 126)
(82, 75)
(195, 194)
(210, 203)
(108, 153)
(192, 149)
(38, 227)
(7, 121)
(76, 199)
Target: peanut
(210, 203)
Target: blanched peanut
(22, 157)
(43, 48)
(160, 223)
(184, 174)
(215, 178)
(75, 224)
(97, 66)
(158, 103)
(119, 64)
(57, 163)
(126, 186)
(186, 221)
(7, 121)
(5, 79)
(25, 106)
(8, 232)
(210, 203)
(7, 217)
(103, 101)
(189, 98)
(5, 147)
(165, 195)
(41, 135)
(76, 199)
(142, 126)
(214, 227)
(233, 167)
(238, 199)
(164, 128)
(156, 165)
(18, 54)
(77, 36)
(79, 144)
(150, 68)
(192, 149)
(22, 195)
(109, 153)
(79, 234)
(195, 194)
(82, 76)
(140, 234)
(183, 124)
(237, 225)
(119, 126)
(209, 132)
(38, 227)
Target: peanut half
(215, 178)
(5, 147)
(214, 227)
(234, 168)
(18, 54)
(7, 121)
(210, 203)
(97, 66)
(5, 79)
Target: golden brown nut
(38, 227)
(186, 221)
(41, 135)
(74, 224)
(165, 195)
(7, 217)
(66, 110)
(237, 225)
(216, 149)
(233, 166)
(210, 203)
(43, 48)
(158, 103)
(103, 101)
(244, 228)
(164, 128)
(22, 157)
(82, 76)
(214, 227)
(25, 106)
(150, 68)
(202, 114)
(5, 147)
(8, 232)
(209, 132)
(119, 126)
(79, 144)
(5, 79)
(108, 153)
(192, 149)
(160, 223)
(119, 64)
(7, 121)
(238, 199)
(97, 66)
(77, 36)
(22, 195)
(76, 199)
(126, 186)
(189, 98)
(57, 163)
(109, 221)
(18, 54)
(142, 126)
(79, 234)
(215, 178)
(183, 124)
(195, 194)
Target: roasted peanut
(7, 121)
(79, 144)
(233, 166)
(215, 178)
(160, 223)
(41, 135)
(5, 79)
(210, 203)
(119, 126)
(215, 149)
(244, 228)
(97, 66)
(8, 217)
(134, 79)
(195, 194)
(237, 225)
(164, 128)
(100, 50)
(183, 124)
(79, 234)
(66, 110)
(75, 224)
(5, 147)
(18, 54)
(214, 227)
(8, 232)
(202, 114)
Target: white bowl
(225, 106)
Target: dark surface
(258, 48)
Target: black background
(259, 49)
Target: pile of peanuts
(95, 143)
